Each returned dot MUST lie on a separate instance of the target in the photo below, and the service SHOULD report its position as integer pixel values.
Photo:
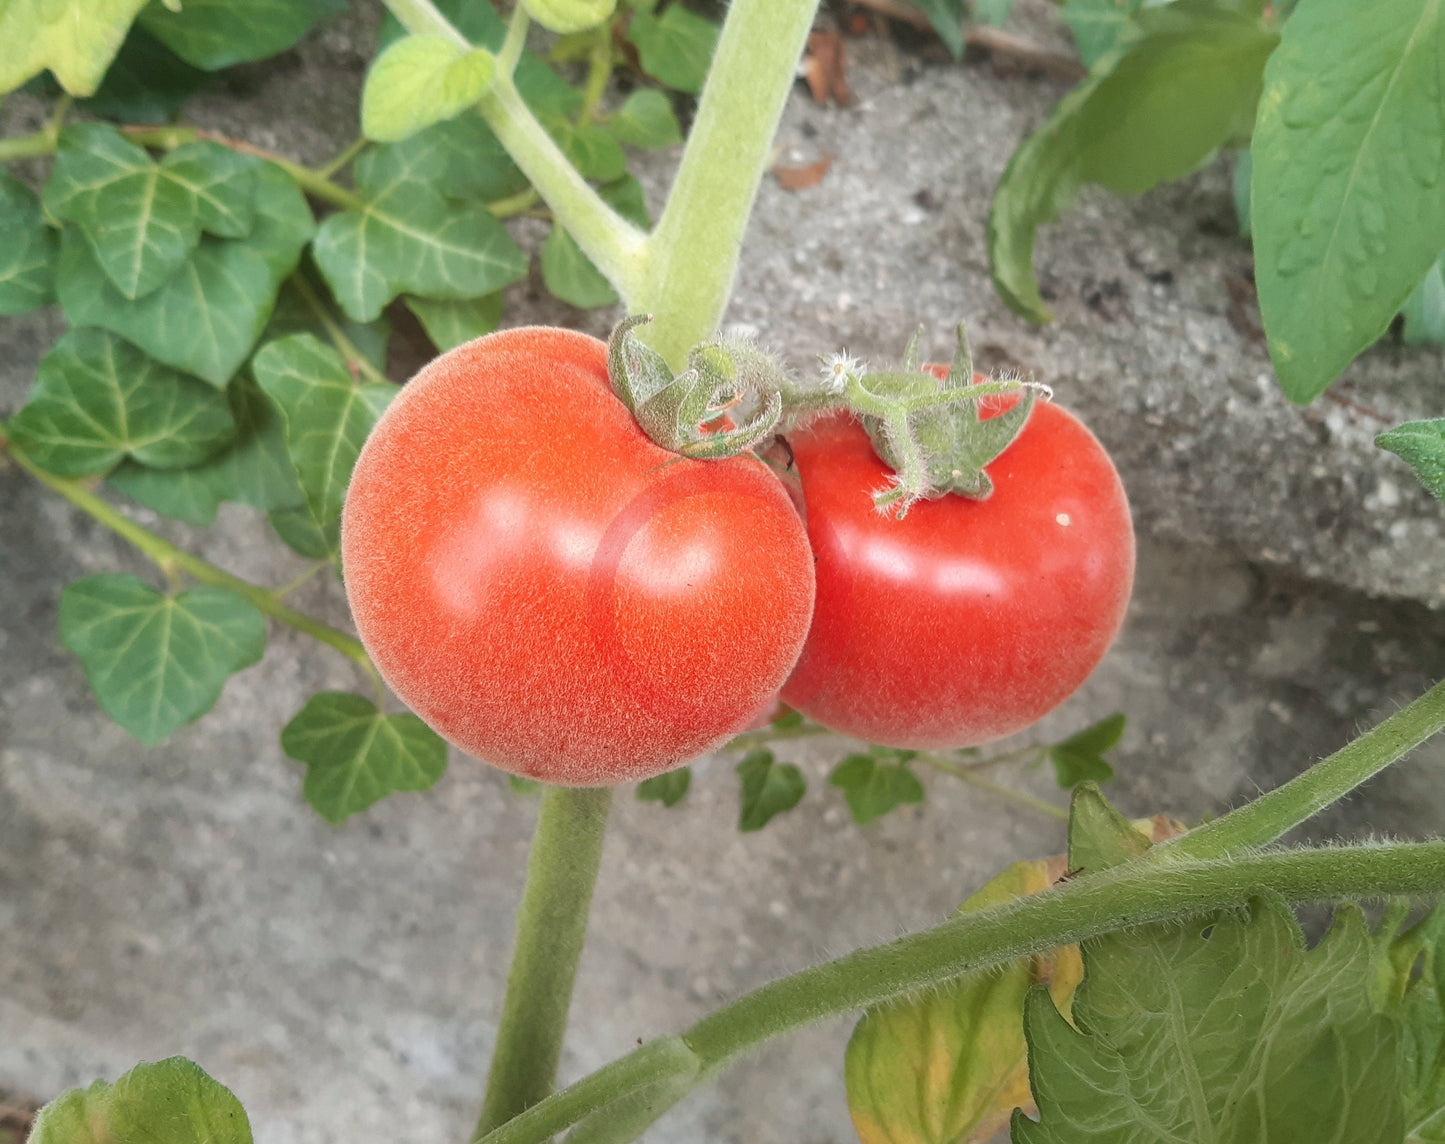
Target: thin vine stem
(516, 40)
(344, 345)
(967, 774)
(357, 146)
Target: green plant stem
(765, 735)
(692, 255)
(516, 40)
(42, 142)
(358, 145)
(1272, 815)
(344, 345)
(551, 927)
(599, 71)
(168, 557)
(967, 775)
(520, 203)
(1135, 893)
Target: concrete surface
(345, 982)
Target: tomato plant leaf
(768, 788)
(872, 788)
(1152, 112)
(355, 755)
(75, 39)
(1421, 445)
(141, 218)
(97, 399)
(676, 47)
(1080, 757)
(157, 662)
(214, 34)
(1099, 26)
(950, 1066)
(645, 119)
(208, 315)
(1222, 1030)
(418, 81)
(449, 324)
(1349, 160)
(591, 148)
(1424, 310)
(1099, 836)
(1416, 993)
(166, 1102)
(409, 238)
(668, 789)
(28, 250)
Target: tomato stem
(968, 774)
(551, 927)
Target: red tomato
(967, 620)
(542, 584)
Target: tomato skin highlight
(967, 620)
(541, 583)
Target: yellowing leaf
(75, 39)
(418, 81)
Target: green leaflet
(296, 313)
(355, 755)
(214, 34)
(28, 250)
(449, 324)
(567, 272)
(645, 119)
(946, 16)
(1186, 87)
(591, 149)
(328, 414)
(1099, 26)
(146, 82)
(873, 787)
(1080, 757)
(675, 48)
(410, 238)
(768, 789)
(97, 400)
(669, 789)
(207, 316)
(75, 39)
(1424, 310)
(157, 662)
(169, 1102)
(418, 81)
(1421, 445)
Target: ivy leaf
(146, 83)
(668, 789)
(1080, 757)
(97, 400)
(418, 81)
(675, 48)
(449, 324)
(946, 16)
(768, 788)
(873, 788)
(473, 163)
(206, 318)
(356, 756)
(168, 1102)
(157, 662)
(1222, 1030)
(1186, 87)
(75, 39)
(1099, 26)
(214, 34)
(1424, 310)
(1348, 213)
(409, 238)
(28, 250)
(328, 415)
(1421, 445)
(295, 313)
(645, 119)
(304, 535)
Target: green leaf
(355, 755)
(1099, 26)
(207, 317)
(328, 414)
(872, 788)
(472, 164)
(1221, 1031)
(1185, 88)
(1080, 757)
(1243, 171)
(449, 324)
(645, 119)
(567, 16)
(418, 81)
(409, 238)
(591, 149)
(668, 789)
(75, 39)
(1099, 836)
(477, 22)
(295, 314)
(28, 250)
(946, 16)
(675, 48)
(214, 34)
(993, 12)
(1418, 998)
(1421, 445)
(157, 662)
(254, 468)
(1424, 310)
(169, 1102)
(524, 786)
(146, 83)
(143, 219)
(304, 535)
(1349, 163)
(97, 400)
(768, 788)
(569, 274)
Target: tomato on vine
(543, 584)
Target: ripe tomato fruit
(543, 585)
(967, 620)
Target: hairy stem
(551, 927)
(1131, 894)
